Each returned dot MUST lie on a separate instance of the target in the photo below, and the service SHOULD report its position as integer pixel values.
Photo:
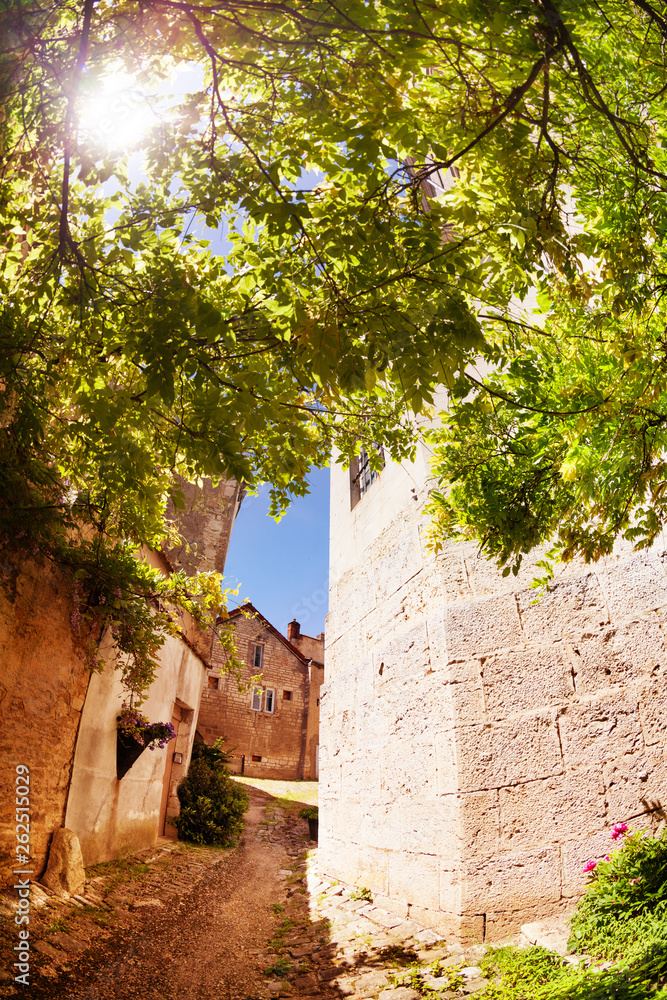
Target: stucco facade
(108, 815)
(477, 746)
(272, 727)
(60, 720)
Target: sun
(117, 113)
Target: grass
(56, 925)
(414, 978)
(285, 793)
(98, 914)
(538, 974)
(118, 871)
(277, 939)
(362, 893)
(278, 968)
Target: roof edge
(249, 609)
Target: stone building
(272, 725)
(60, 720)
(477, 744)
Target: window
(287, 695)
(362, 476)
(256, 703)
(256, 759)
(214, 682)
(269, 702)
(258, 657)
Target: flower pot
(127, 751)
(312, 826)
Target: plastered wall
(108, 815)
(476, 747)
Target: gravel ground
(254, 922)
(205, 941)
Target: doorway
(165, 828)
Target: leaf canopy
(413, 193)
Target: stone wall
(478, 745)
(60, 721)
(279, 739)
(312, 647)
(42, 690)
(206, 523)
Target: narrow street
(248, 923)
(208, 938)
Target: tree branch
(64, 233)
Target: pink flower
(590, 865)
(618, 831)
(607, 858)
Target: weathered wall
(476, 746)
(108, 815)
(278, 738)
(205, 523)
(42, 690)
(43, 685)
(313, 648)
(311, 769)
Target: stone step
(551, 934)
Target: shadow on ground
(255, 921)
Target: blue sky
(283, 567)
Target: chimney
(294, 631)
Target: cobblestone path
(249, 923)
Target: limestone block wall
(278, 739)
(476, 746)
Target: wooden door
(166, 829)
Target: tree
(354, 282)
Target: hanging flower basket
(127, 751)
(134, 735)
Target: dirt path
(210, 944)
(254, 922)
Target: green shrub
(214, 755)
(624, 910)
(308, 812)
(622, 918)
(212, 805)
(538, 974)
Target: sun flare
(117, 113)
